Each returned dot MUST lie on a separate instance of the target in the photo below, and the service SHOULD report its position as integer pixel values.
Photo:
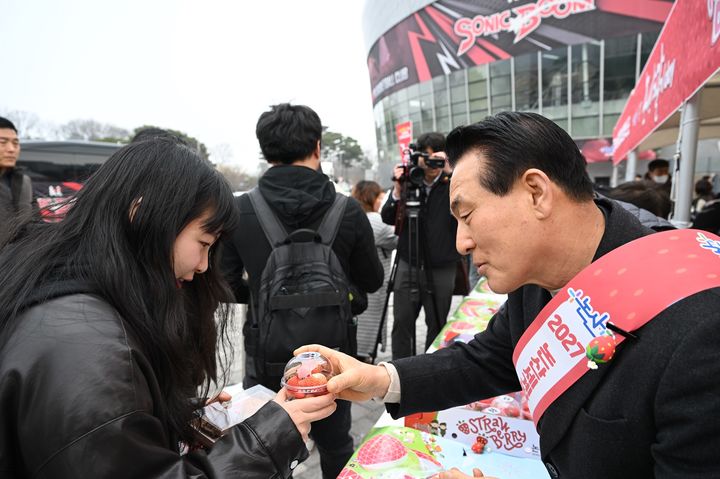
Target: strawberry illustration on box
(482, 288)
(382, 452)
(471, 317)
(399, 452)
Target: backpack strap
(274, 230)
(16, 184)
(331, 222)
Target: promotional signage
(686, 55)
(619, 292)
(404, 136)
(449, 35)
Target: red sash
(627, 287)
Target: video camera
(413, 173)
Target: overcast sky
(208, 68)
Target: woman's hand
(455, 473)
(353, 380)
(222, 397)
(306, 410)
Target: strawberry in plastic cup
(306, 375)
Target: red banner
(686, 54)
(404, 136)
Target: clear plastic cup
(306, 375)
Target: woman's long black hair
(119, 236)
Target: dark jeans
(331, 435)
(406, 307)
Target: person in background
(300, 196)
(110, 322)
(371, 197)
(15, 187)
(703, 194)
(437, 229)
(715, 180)
(649, 196)
(659, 173)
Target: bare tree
(93, 130)
(238, 179)
(27, 123)
(222, 153)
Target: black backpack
(304, 295)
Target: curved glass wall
(583, 88)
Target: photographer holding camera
(425, 276)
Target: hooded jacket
(299, 197)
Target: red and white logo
(526, 20)
(714, 14)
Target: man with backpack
(309, 255)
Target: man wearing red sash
(527, 214)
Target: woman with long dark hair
(110, 321)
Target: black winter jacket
(79, 399)
(439, 226)
(653, 411)
(299, 196)
(15, 200)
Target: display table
(442, 440)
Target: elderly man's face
(495, 230)
(9, 148)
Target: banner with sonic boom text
(451, 35)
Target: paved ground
(364, 415)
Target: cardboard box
(394, 452)
(507, 435)
(503, 421)
(471, 316)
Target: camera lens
(417, 175)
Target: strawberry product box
(481, 287)
(471, 317)
(399, 452)
(395, 452)
(482, 290)
(500, 423)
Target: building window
(585, 86)
(500, 87)
(526, 82)
(585, 73)
(620, 60)
(442, 108)
(648, 41)
(477, 88)
(555, 83)
(458, 97)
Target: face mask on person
(662, 179)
